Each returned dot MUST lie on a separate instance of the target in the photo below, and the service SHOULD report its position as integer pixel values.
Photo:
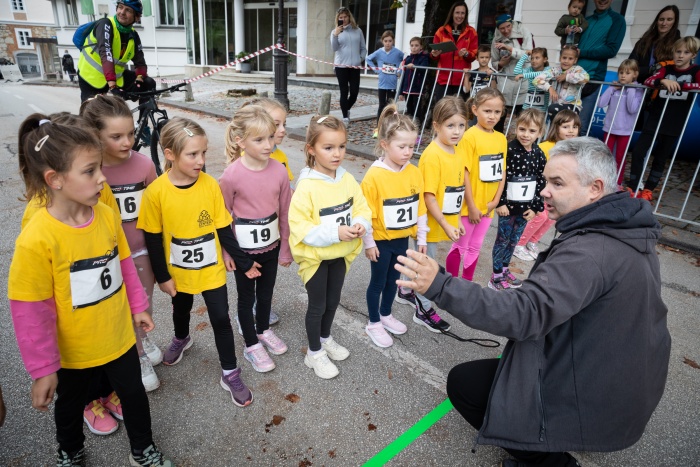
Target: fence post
(188, 93)
(164, 86)
(324, 107)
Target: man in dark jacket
(68, 66)
(588, 351)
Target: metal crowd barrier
(426, 99)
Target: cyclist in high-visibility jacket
(107, 50)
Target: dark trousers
(468, 387)
(323, 290)
(385, 95)
(510, 229)
(217, 307)
(505, 118)
(260, 288)
(411, 104)
(124, 375)
(384, 276)
(662, 150)
(349, 83)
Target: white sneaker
(522, 253)
(533, 249)
(335, 351)
(155, 355)
(323, 367)
(148, 375)
(346, 121)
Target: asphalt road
(298, 419)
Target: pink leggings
(467, 247)
(621, 141)
(535, 229)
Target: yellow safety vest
(90, 63)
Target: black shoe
(63, 459)
(570, 462)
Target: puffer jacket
(451, 60)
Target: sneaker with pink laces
(378, 334)
(258, 357)
(274, 344)
(98, 419)
(114, 405)
(393, 325)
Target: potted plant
(245, 65)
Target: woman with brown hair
(656, 45)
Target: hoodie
(587, 357)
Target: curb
(353, 149)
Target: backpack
(82, 33)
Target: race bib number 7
(521, 189)
(93, 280)
(491, 168)
(193, 253)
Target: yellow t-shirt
(317, 202)
(443, 176)
(80, 269)
(281, 157)
(188, 219)
(485, 160)
(396, 201)
(34, 205)
(545, 146)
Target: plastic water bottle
(570, 36)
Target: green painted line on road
(410, 435)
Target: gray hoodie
(349, 46)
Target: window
(23, 36)
(17, 5)
(171, 12)
(72, 13)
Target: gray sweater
(589, 347)
(349, 46)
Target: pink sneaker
(274, 344)
(98, 419)
(114, 405)
(379, 336)
(258, 357)
(393, 325)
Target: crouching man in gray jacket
(588, 351)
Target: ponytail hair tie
(44, 120)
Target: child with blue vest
(388, 58)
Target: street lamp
(279, 60)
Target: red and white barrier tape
(373, 68)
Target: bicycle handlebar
(155, 92)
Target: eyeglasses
(343, 9)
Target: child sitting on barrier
(668, 115)
(388, 58)
(569, 79)
(539, 62)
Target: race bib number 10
(401, 213)
(491, 168)
(93, 280)
(337, 215)
(193, 253)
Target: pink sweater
(251, 194)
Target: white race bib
(678, 95)
(521, 189)
(491, 168)
(535, 99)
(93, 280)
(453, 199)
(400, 213)
(129, 200)
(337, 215)
(193, 253)
(254, 234)
(389, 68)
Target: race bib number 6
(253, 234)
(491, 168)
(93, 280)
(400, 213)
(337, 215)
(193, 253)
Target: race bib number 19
(93, 280)
(253, 234)
(491, 168)
(193, 253)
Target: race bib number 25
(193, 253)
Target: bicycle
(157, 117)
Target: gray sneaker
(149, 457)
(63, 459)
(240, 394)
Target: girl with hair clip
(394, 191)
(129, 173)
(256, 192)
(328, 216)
(186, 223)
(539, 63)
(442, 166)
(483, 151)
(566, 125)
(74, 290)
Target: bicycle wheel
(157, 155)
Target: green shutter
(87, 7)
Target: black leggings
(260, 288)
(349, 83)
(124, 375)
(217, 307)
(323, 290)
(385, 95)
(662, 150)
(468, 387)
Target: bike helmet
(135, 5)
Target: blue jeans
(384, 277)
(510, 229)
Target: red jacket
(467, 40)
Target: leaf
(200, 310)
(691, 363)
(516, 270)
(293, 398)
(371, 427)
(201, 326)
(391, 375)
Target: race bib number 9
(93, 280)
(337, 215)
(400, 213)
(253, 234)
(678, 95)
(129, 200)
(521, 189)
(534, 99)
(453, 199)
(193, 253)
(389, 68)
(491, 168)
